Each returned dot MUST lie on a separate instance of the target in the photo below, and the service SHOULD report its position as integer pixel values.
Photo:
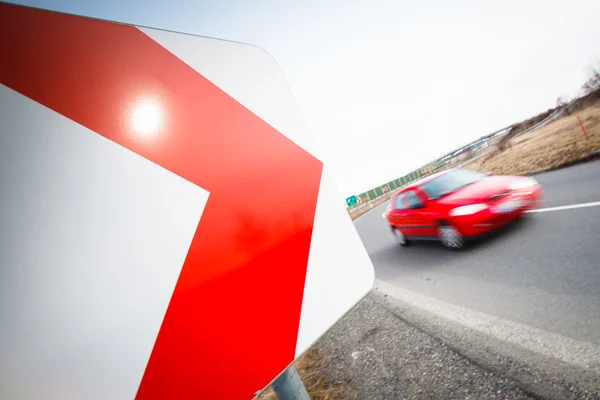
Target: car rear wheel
(450, 236)
(400, 238)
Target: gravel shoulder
(373, 354)
(385, 349)
(541, 376)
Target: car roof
(422, 181)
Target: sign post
(289, 386)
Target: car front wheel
(450, 237)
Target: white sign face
(167, 221)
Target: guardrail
(546, 121)
(369, 204)
(380, 199)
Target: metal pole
(289, 386)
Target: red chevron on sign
(95, 73)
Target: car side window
(399, 202)
(413, 201)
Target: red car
(457, 205)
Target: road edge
(557, 380)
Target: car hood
(481, 191)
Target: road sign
(137, 260)
(350, 201)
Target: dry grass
(557, 144)
(311, 368)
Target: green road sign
(350, 201)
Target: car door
(397, 214)
(405, 214)
(426, 214)
(414, 216)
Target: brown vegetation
(559, 143)
(310, 367)
(504, 141)
(585, 101)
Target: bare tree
(561, 101)
(593, 82)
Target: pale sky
(387, 86)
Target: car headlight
(523, 183)
(467, 210)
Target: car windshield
(450, 182)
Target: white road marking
(564, 348)
(560, 208)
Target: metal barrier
(544, 122)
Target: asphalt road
(543, 271)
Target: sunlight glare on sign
(147, 117)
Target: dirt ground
(559, 143)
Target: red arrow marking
(247, 262)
